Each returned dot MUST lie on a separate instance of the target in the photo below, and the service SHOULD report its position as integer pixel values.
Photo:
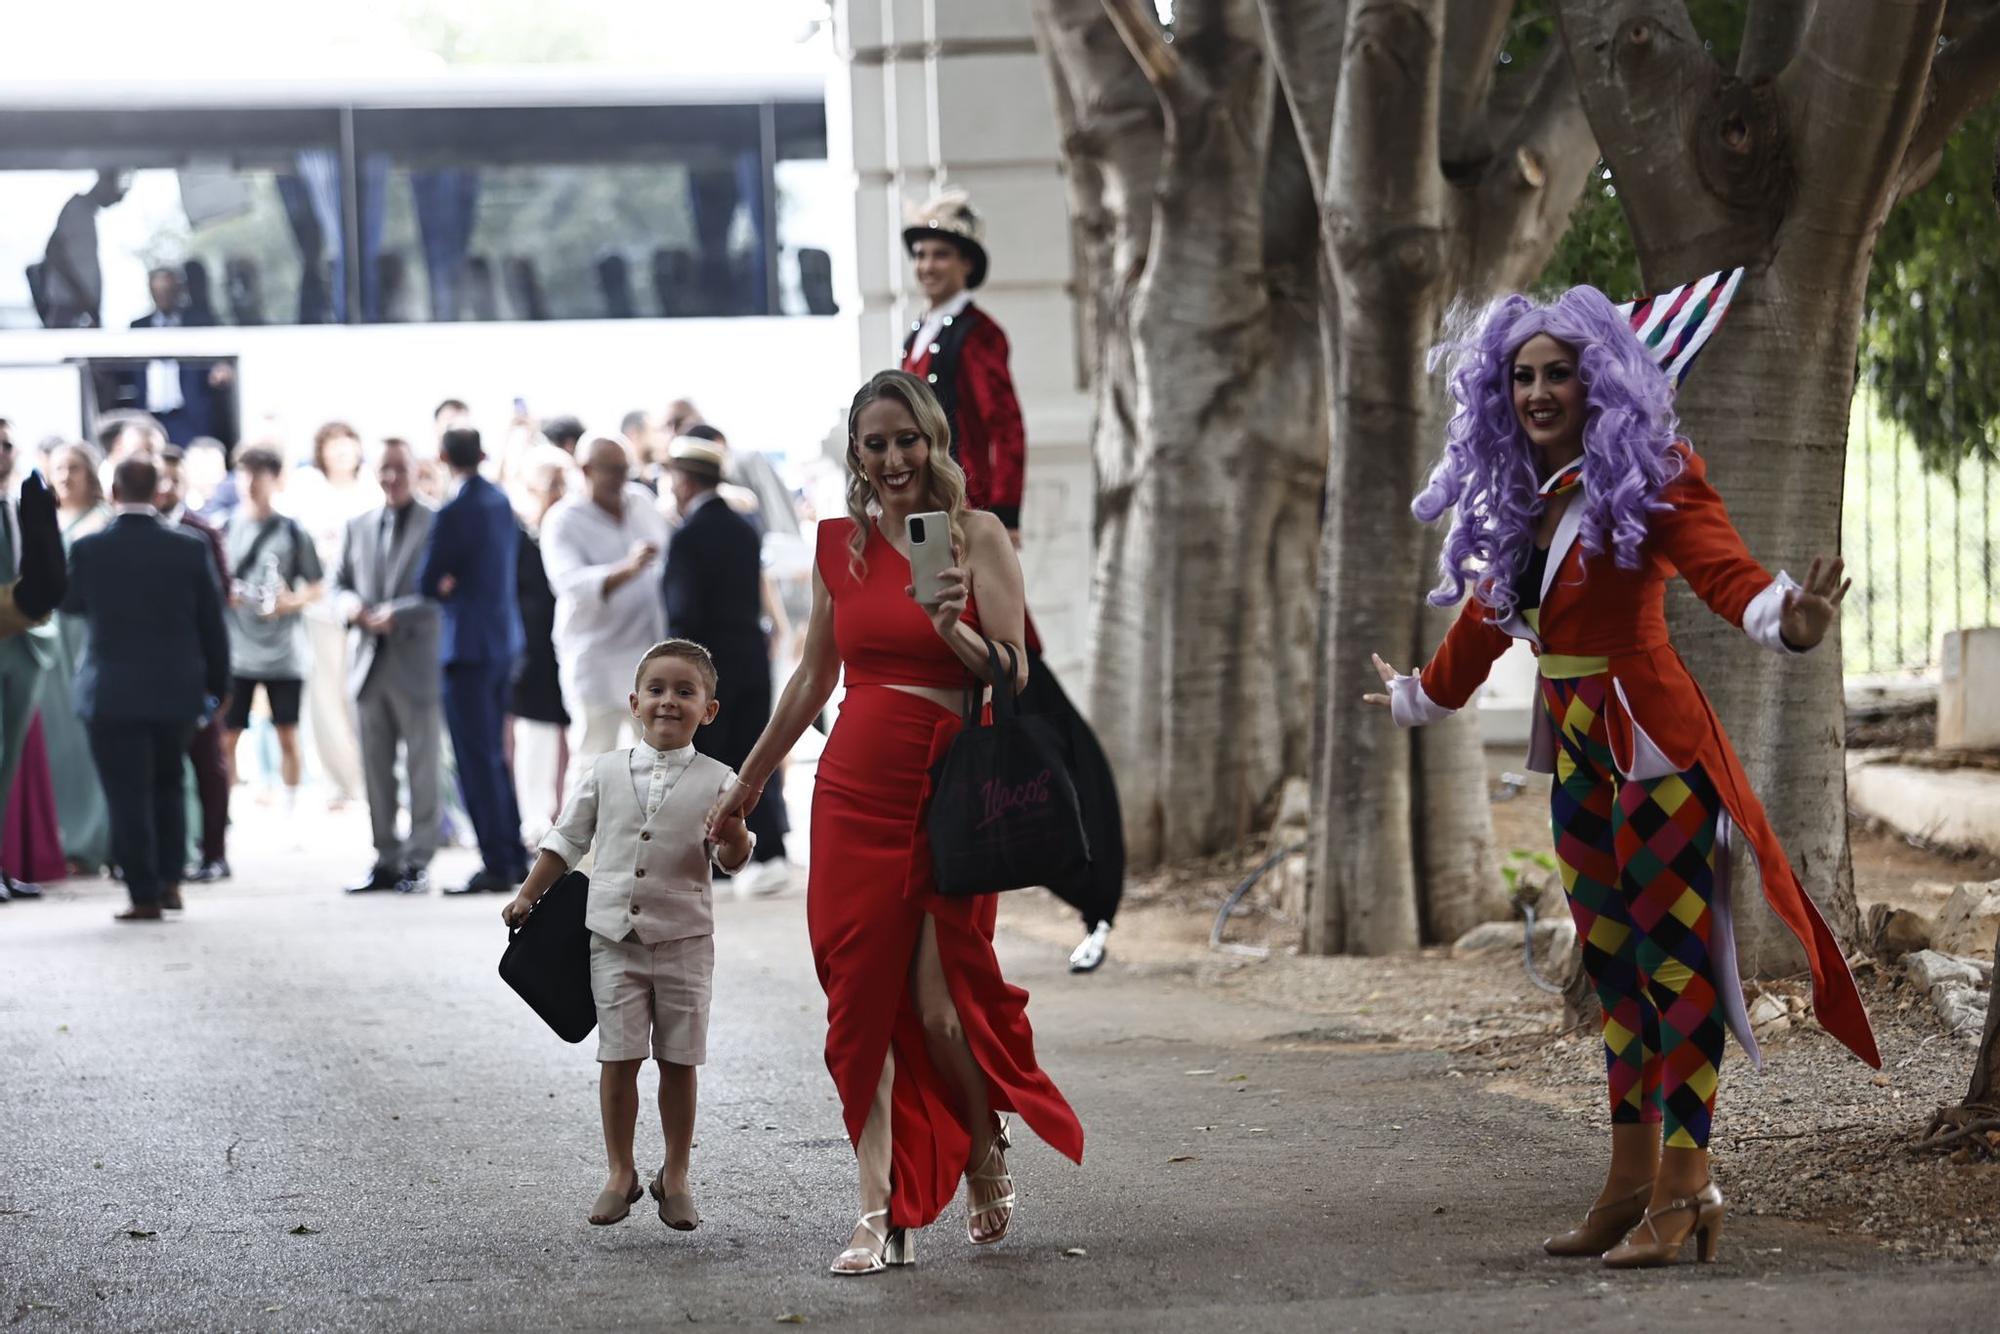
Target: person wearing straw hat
(961, 353)
(1648, 794)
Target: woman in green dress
(86, 821)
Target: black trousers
(211, 784)
(744, 693)
(139, 762)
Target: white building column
(950, 92)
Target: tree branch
(1853, 100)
(1472, 36)
(1521, 207)
(1771, 35)
(1304, 39)
(1645, 78)
(1138, 27)
(1964, 76)
(1385, 197)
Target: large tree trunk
(1209, 445)
(1789, 173)
(1434, 187)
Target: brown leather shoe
(1603, 1227)
(171, 901)
(1649, 1248)
(139, 912)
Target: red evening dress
(870, 886)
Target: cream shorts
(652, 1000)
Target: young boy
(641, 813)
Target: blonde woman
(924, 1067)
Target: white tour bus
(574, 242)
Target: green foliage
(1928, 348)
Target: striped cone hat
(1674, 326)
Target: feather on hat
(949, 216)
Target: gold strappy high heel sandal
(1003, 1204)
(1653, 1251)
(1603, 1227)
(898, 1248)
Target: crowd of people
(598, 603)
(399, 612)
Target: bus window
(244, 210)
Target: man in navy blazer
(468, 569)
(155, 664)
(714, 593)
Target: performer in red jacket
(1648, 793)
(958, 350)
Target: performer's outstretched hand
(1387, 673)
(1809, 611)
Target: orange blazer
(1656, 717)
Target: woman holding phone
(928, 1045)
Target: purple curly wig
(1490, 471)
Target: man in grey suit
(393, 670)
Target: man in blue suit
(155, 665)
(468, 569)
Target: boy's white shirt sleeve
(571, 837)
(714, 848)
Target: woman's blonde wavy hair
(946, 482)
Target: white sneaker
(762, 880)
(1085, 957)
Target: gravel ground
(1817, 1137)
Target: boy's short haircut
(261, 459)
(687, 651)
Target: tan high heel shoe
(1653, 1251)
(1002, 1204)
(1603, 1227)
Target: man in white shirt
(602, 553)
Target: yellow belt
(1563, 666)
(1568, 666)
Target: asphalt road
(294, 1110)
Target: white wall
(937, 92)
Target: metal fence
(1919, 545)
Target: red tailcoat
(977, 392)
(1656, 717)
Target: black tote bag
(548, 959)
(1003, 811)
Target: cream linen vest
(650, 876)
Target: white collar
(645, 751)
(146, 510)
(951, 307)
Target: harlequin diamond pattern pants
(1637, 859)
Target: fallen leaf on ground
(303, 1231)
(789, 1319)
(1181, 1158)
(1076, 1253)
(1197, 1072)
(135, 1232)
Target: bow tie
(1567, 478)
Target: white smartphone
(930, 553)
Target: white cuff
(553, 841)
(1410, 706)
(715, 855)
(1764, 617)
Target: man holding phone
(960, 351)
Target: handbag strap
(1004, 706)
